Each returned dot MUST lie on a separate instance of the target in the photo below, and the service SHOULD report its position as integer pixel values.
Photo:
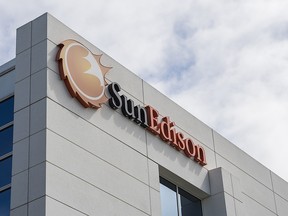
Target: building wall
(77, 161)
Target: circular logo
(83, 73)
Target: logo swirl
(83, 73)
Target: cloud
(236, 78)
(224, 61)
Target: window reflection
(5, 202)
(177, 202)
(6, 140)
(168, 198)
(190, 205)
(7, 111)
(5, 171)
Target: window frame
(178, 195)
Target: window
(6, 140)
(5, 202)
(177, 202)
(5, 171)
(6, 111)
(6, 145)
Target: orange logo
(83, 73)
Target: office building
(82, 135)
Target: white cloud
(224, 61)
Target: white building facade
(123, 149)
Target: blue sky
(224, 61)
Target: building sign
(84, 77)
(83, 73)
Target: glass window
(168, 198)
(6, 143)
(5, 171)
(190, 205)
(5, 202)
(6, 140)
(7, 111)
(177, 202)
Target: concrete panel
(253, 208)
(83, 196)
(105, 118)
(37, 148)
(22, 94)
(23, 64)
(97, 172)
(177, 163)
(38, 116)
(52, 50)
(21, 124)
(122, 155)
(119, 127)
(220, 181)
(282, 206)
(38, 85)
(230, 205)
(242, 160)
(280, 186)
(39, 29)
(240, 210)
(39, 57)
(37, 180)
(23, 39)
(19, 189)
(214, 205)
(153, 175)
(57, 91)
(20, 211)
(20, 156)
(181, 117)
(250, 186)
(37, 207)
(108, 148)
(55, 208)
(237, 188)
(155, 202)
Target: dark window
(6, 143)
(5, 202)
(189, 204)
(6, 111)
(5, 171)
(177, 202)
(6, 140)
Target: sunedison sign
(84, 77)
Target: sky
(224, 61)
